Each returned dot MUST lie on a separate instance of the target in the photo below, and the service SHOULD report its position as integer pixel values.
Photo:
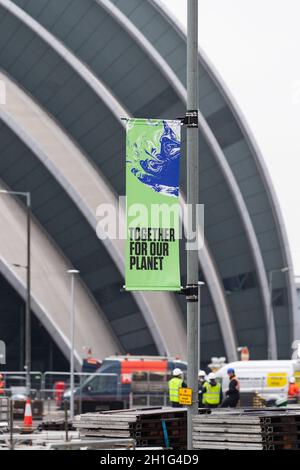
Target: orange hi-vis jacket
(2, 385)
(293, 391)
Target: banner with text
(152, 205)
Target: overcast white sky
(255, 45)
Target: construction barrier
(37, 407)
(4, 409)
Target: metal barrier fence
(54, 385)
(142, 400)
(148, 388)
(97, 382)
(15, 383)
(4, 410)
(48, 388)
(44, 383)
(17, 437)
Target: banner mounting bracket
(190, 291)
(190, 119)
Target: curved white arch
(50, 284)
(87, 188)
(280, 226)
(150, 305)
(214, 146)
(206, 261)
(265, 176)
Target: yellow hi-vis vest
(212, 394)
(174, 386)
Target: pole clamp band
(190, 292)
(191, 119)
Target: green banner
(152, 205)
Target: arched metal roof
(223, 90)
(132, 54)
(177, 338)
(50, 284)
(207, 264)
(87, 189)
(85, 186)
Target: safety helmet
(230, 371)
(211, 376)
(177, 372)
(292, 380)
(201, 373)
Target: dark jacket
(232, 394)
(200, 392)
(233, 391)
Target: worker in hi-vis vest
(211, 392)
(175, 383)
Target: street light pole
(200, 283)
(28, 300)
(270, 316)
(27, 195)
(192, 199)
(73, 272)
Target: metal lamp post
(27, 195)
(73, 273)
(200, 283)
(192, 199)
(270, 316)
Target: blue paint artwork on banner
(160, 170)
(152, 204)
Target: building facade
(72, 69)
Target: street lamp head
(18, 193)
(73, 271)
(16, 265)
(284, 270)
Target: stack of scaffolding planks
(55, 421)
(160, 427)
(269, 429)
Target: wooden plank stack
(269, 429)
(55, 421)
(158, 427)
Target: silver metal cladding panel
(63, 220)
(83, 166)
(167, 51)
(265, 179)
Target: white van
(268, 378)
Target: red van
(112, 386)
